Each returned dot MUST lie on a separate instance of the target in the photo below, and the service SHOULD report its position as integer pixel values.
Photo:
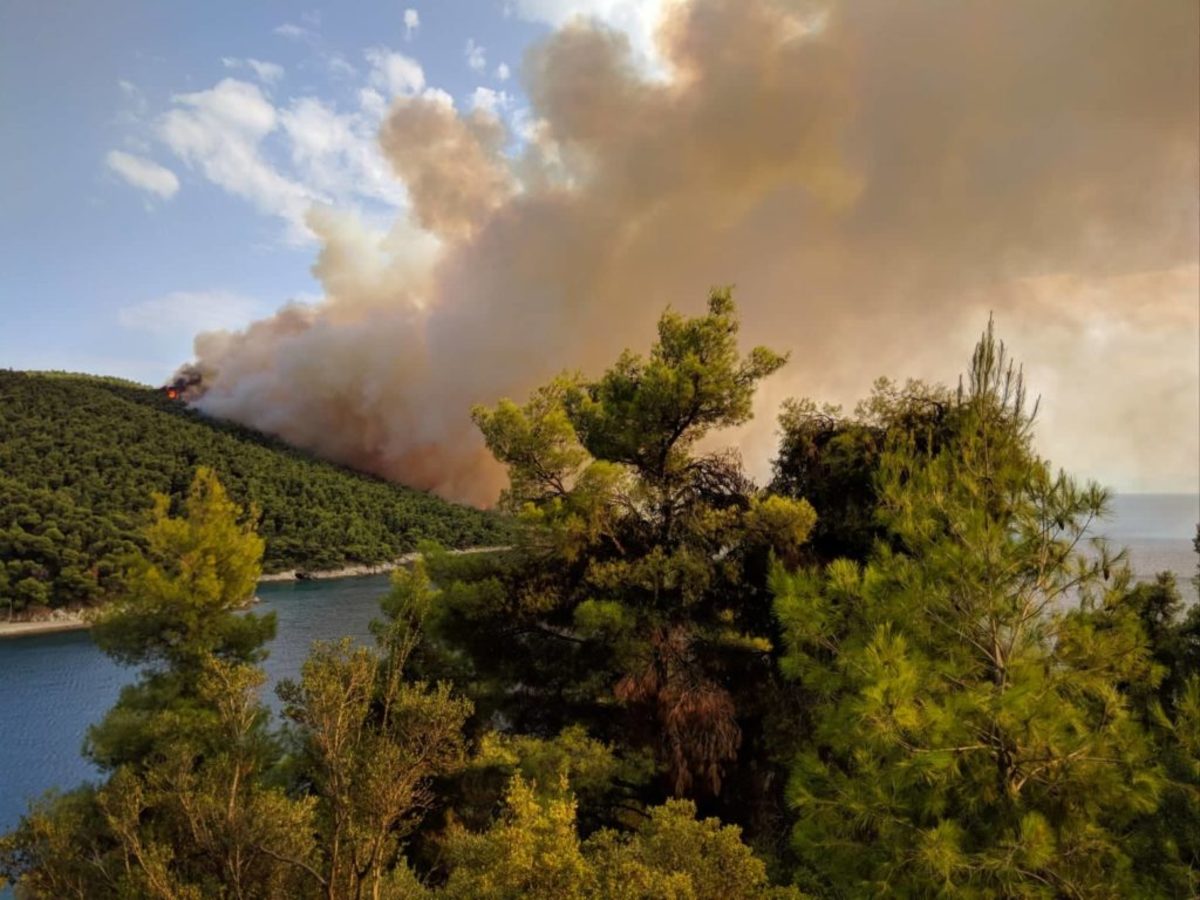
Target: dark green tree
(831, 459)
(633, 603)
(1165, 846)
(81, 457)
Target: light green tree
(186, 812)
(367, 743)
(180, 610)
(534, 851)
(969, 735)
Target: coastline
(74, 620)
(358, 571)
(60, 620)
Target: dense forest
(81, 457)
(891, 672)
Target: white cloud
(395, 73)
(639, 19)
(267, 72)
(527, 128)
(292, 32)
(339, 66)
(372, 103)
(191, 312)
(412, 22)
(476, 55)
(437, 95)
(133, 104)
(287, 158)
(337, 154)
(490, 101)
(502, 71)
(143, 174)
(220, 132)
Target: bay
(53, 686)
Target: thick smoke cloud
(875, 178)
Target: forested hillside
(80, 457)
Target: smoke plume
(874, 178)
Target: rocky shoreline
(71, 619)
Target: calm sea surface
(53, 686)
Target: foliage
(196, 570)
(589, 767)
(633, 604)
(81, 456)
(202, 801)
(1165, 845)
(367, 742)
(178, 619)
(533, 850)
(831, 459)
(183, 813)
(969, 734)
(946, 691)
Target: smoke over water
(873, 177)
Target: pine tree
(830, 458)
(533, 851)
(180, 611)
(185, 812)
(367, 742)
(969, 734)
(634, 601)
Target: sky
(361, 218)
(125, 228)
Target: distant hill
(81, 455)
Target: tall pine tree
(634, 602)
(969, 734)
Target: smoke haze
(874, 178)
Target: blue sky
(129, 220)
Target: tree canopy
(931, 680)
(634, 601)
(970, 731)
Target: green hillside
(80, 457)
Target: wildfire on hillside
(186, 385)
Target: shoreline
(76, 620)
(361, 570)
(66, 620)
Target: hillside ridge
(81, 455)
